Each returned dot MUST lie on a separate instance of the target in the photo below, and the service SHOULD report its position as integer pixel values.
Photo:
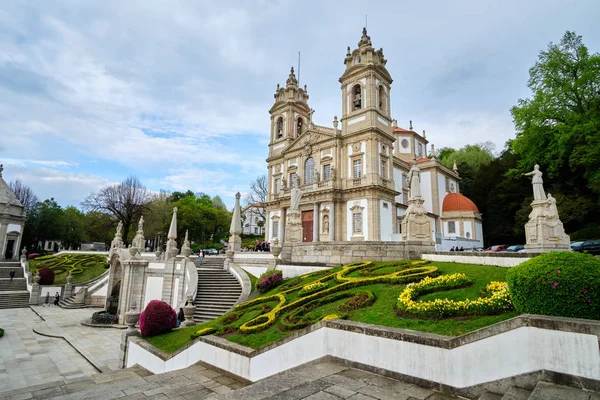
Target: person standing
(56, 298)
(12, 275)
(201, 256)
(47, 300)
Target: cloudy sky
(178, 92)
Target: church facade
(353, 174)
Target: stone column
(282, 222)
(316, 217)
(332, 222)
(36, 290)
(131, 319)
(235, 230)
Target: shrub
(157, 318)
(46, 276)
(1, 332)
(565, 284)
(269, 280)
(103, 317)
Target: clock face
(404, 143)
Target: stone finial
(305, 88)
(188, 311)
(455, 167)
(410, 125)
(348, 54)
(236, 220)
(186, 249)
(1, 169)
(394, 123)
(36, 278)
(173, 228)
(132, 316)
(291, 80)
(432, 151)
(278, 87)
(365, 40)
(335, 122)
(424, 134)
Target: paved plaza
(28, 358)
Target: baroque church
(353, 175)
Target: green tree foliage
(469, 160)
(74, 232)
(558, 127)
(100, 227)
(204, 221)
(45, 222)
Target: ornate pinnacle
(291, 80)
(410, 125)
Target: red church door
(307, 226)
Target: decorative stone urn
(24, 254)
(186, 252)
(36, 278)
(133, 251)
(276, 249)
(188, 312)
(69, 286)
(132, 316)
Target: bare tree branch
(258, 194)
(24, 193)
(125, 201)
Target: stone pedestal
(36, 290)
(545, 232)
(235, 243)
(416, 225)
(68, 287)
(276, 251)
(293, 227)
(189, 311)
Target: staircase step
(515, 393)
(550, 391)
(490, 396)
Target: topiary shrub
(157, 318)
(104, 317)
(269, 280)
(46, 276)
(565, 284)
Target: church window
(451, 227)
(309, 170)
(326, 172)
(356, 169)
(382, 102)
(357, 222)
(293, 179)
(277, 185)
(275, 229)
(279, 128)
(299, 126)
(356, 98)
(383, 169)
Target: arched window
(309, 171)
(279, 128)
(356, 98)
(299, 126)
(382, 100)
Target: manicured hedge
(269, 280)
(157, 318)
(46, 276)
(565, 284)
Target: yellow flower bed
(330, 316)
(265, 320)
(497, 302)
(203, 332)
(312, 287)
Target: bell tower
(366, 85)
(289, 114)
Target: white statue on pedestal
(538, 183)
(295, 197)
(413, 180)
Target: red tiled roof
(398, 129)
(422, 159)
(458, 202)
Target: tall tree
(559, 126)
(100, 226)
(258, 193)
(125, 201)
(73, 228)
(24, 193)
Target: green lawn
(381, 312)
(253, 280)
(84, 267)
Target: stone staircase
(195, 382)
(69, 302)
(13, 294)
(218, 290)
(543, 391)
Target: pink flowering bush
(46, 276)
(157, 318)
(269, 280)
(565, 284)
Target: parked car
(32, 256)
(496, 248)
(587, 246)
(210, 252)
(474, 249)
(514, 248)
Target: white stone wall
(498, 261)
(365, 218)
(387, 220)
(426, 191)
(398, 184)
(508, 354)
(154, 289)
